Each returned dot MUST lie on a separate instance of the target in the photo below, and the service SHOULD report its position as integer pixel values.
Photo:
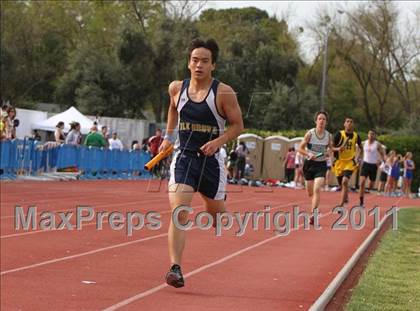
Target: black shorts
(346, 173)
(384, 177)
(369, 170)
(206, 175)
(314, 169)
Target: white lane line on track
(196, 271)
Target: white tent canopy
(68, 116)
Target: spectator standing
(328, 173)
(155, 141)
(289, 164)
(74, 137)
(3, 122)
(3, 109)
(242, 152)
(231, 165)
(94, 138)
(223, 154)
(384, 168)
(105, 134)
(145, 145)
(393, 172)
(11, 123)
(299, 181)
(36, 136)
(135, 145)
(115, 143)
(409, 167)
(59, 136)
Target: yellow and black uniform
(2, 128)
(345, 161)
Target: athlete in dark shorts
(373, 153)
(198, 107)
(346, 158)
(315, 145)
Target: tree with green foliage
(380, 59)
(117, 58)
(256, 52)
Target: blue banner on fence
(29, 157)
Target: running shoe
(174, 277)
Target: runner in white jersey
(373, 154)
(315, 145)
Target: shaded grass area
(391, 280)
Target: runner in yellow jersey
(347, 158)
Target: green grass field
(391, 280)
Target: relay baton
(159, 157)
(317, 155)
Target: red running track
(92, 269)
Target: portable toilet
(295, 142)
(254, 143)
(275, 151)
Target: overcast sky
(299, 13)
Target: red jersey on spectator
(290, 162)
(154, 143)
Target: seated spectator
(115, 143)
(59, 135)
(94, 138)
(74, 137)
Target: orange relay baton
(159, 157)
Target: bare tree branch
(140, 17)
